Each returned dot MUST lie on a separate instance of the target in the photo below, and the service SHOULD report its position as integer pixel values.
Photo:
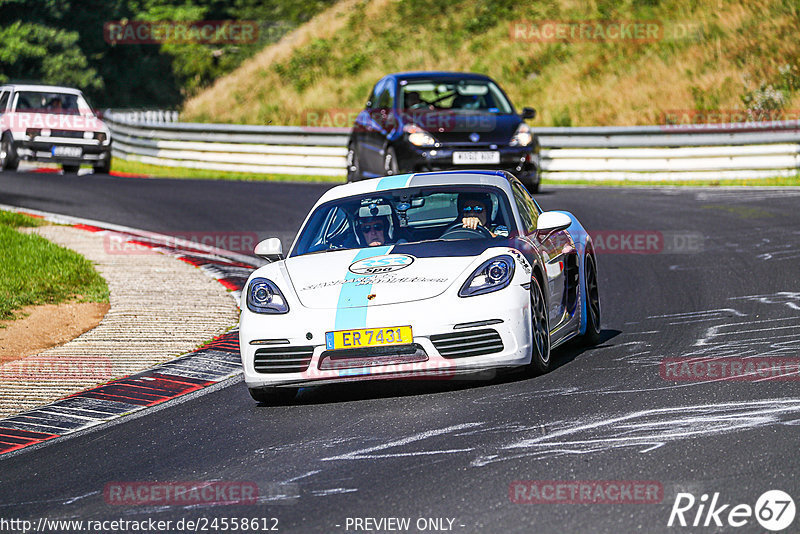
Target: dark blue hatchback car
(430, 121)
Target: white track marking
(367, 453)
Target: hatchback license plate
(467, 158)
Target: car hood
(457, 127)
(378, 276)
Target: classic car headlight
(417, 136)
(523, 136)
(263, 296)
(492, 275)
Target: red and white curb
(211, 364)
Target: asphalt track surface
(422, 449)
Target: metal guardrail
(741, 150)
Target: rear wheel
(540, 331)
(353, 164)
(8, 154)
(592, 335)
(70, 169)
(273, 395)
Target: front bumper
(44, 150)
(517, 160)
(509, 309)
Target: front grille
(283, 359)
(372, 356)
(66, 133)
(467, 344)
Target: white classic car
(420, 275)
(54, 124)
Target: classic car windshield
(407, 216)
(45, 102)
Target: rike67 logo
(774, 510)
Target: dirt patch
(46, 326)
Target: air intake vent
(66, 133)
(467, 344)
(283, 359)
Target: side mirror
(552, 221)
(528, 113)
(269, 249)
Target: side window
(527, 208)
(4, 100)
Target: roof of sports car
(400, 181)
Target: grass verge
(135, 167)
(36, 271)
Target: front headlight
(263, 296)
(523, 136)
(417, 136)
(492, 275)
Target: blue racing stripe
(393, 182)
(351, 309)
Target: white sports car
(428, 274)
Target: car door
(555, 249)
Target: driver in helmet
(373, 230)
(474, 210)
(374, 222)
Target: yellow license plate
(368, 337)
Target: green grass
(36, 271)
(709, 56)
(178, 172)
(135, 167)
(18, 220)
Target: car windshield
(407, 216)
(453, 95)
(46, 102)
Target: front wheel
(103, 168)
(540, 331)
(592, 334)
(9, 161)
(273, 395)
